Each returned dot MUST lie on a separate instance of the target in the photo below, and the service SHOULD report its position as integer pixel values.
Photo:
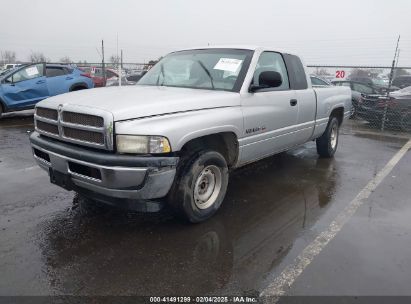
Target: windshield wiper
(207, 72)
(161, 73)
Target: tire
(1, 110)
(78, 88)
(200, 186)
(328, 142)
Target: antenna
(390, 83)
(393, 64)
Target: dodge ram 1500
(174, 137)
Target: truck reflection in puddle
(269, 204)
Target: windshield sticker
(31, 71)
(228, 64)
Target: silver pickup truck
(174, 137)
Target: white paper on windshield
(31, 71)
(228, 64)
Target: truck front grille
(83, 135)
(75, 124)
(46, 127)
(83, 119)
(47, 113)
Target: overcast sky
(322, 31)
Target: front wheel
(200, 186)
(328, 142)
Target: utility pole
(103, 67)
(121, 58)
(384, 117)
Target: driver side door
(25, 87)
(270, 115)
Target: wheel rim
(207, 187)
(334, 136)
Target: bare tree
(322, 72)
(360, 72)
(115, 60)
(38, 57)
(7, 57)
(66, 59)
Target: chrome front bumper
(108, 176)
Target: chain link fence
(378, 105)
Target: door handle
(40, 81)
(293, 102)
(69, 78)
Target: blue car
(23, 87)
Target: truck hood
(140, 101)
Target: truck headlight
(142, 144)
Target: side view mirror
(267, 79)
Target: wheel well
(339, 114)
(225, 143)
(2, 107)
(78, 87)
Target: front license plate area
(60, 179)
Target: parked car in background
(402, 81)
(403, 92)
(317, 81)
(328, 78)
(369, 104)
(377, 83)
(359, 91)
(21, 88)
(397, 109)
(96, 74)
(136, 76)
(9, 66)
(113, 82)
(131, 79)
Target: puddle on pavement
(267, 206)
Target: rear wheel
(328, 142)
(200, 186)
(78, 88)
(1, 110)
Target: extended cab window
(271, 61)
(298, 77)
(30, 72)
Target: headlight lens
(142, 144)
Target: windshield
(213, 69)
(5, 73)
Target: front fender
(180, 128)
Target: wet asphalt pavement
(273, 209)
